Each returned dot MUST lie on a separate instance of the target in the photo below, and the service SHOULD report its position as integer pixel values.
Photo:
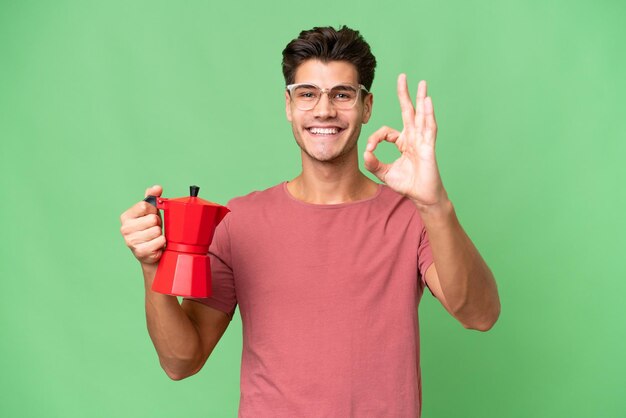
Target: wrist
(437, 212)
(149, 273)
(437, 204)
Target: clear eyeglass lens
(342, 97)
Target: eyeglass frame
(290, 88)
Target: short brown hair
(328, 44)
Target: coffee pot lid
(193, 198)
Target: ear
(288, 106)
(367, 107)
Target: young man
(327, 269)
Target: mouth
(324, 131)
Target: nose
(324, 107)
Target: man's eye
(306, 93)
(343, 95)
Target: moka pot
(185, 268)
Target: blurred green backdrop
(99, 100)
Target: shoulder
(390, 198)
(388, 194)
(397, 207)
(256, 198)
(253, 212)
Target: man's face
(325, 133)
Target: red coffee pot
(185, 268)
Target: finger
(408, 112)
(150, 251)
(138, 210)
(139, 224)
(430, 128)
(373, 164)
(155, 190)
(140, 237)
(419, 106)
(383, 134)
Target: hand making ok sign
(415, 173)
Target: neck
(333, 182)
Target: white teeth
(324, 131)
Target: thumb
(155, 190)
(374, 166)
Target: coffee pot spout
(221, 213)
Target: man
(328, 268)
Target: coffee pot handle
(152, 200)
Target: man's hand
(184, 336)
(141, 229)
(415, 173)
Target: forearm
(466, 281)
(173, 333)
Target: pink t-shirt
(328, 297)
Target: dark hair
(327, 44)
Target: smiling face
(325, 133)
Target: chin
(326, 155)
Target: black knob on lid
(193, 191)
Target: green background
(99, 100)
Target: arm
(459, 277)
(184, 335)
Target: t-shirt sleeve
(424, 255)
(223, 296)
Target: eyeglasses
(307, 95)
